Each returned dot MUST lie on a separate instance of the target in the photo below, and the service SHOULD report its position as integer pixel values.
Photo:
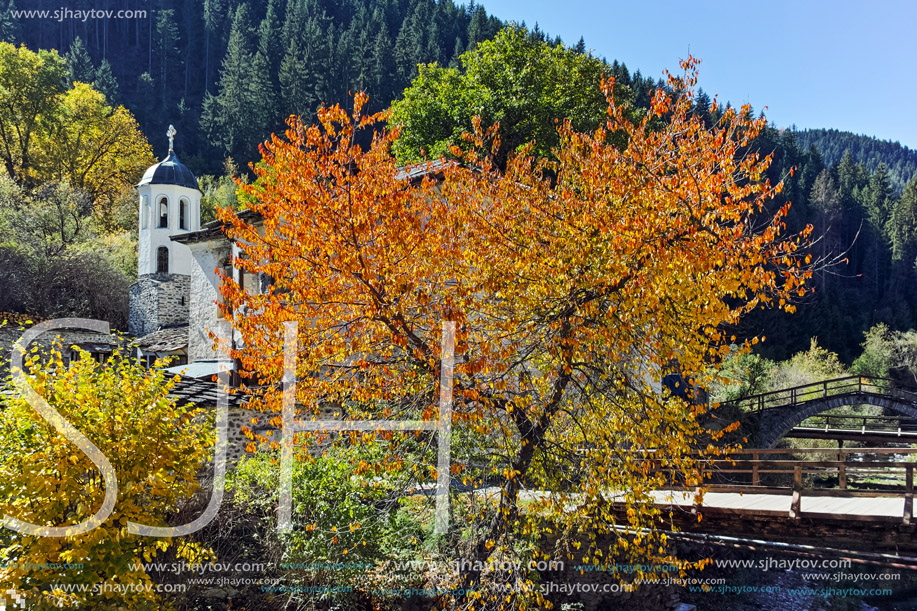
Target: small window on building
(144, 212)
(183, 214)
(163, 213)
(162, 260)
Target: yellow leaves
(155, 459)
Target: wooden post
(842, 469)
(908, 494)
(755, 478)
(797, 493)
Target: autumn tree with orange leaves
(576, 284)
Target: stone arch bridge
(777, 413)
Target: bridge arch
(775, 422)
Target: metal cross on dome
(171, 135)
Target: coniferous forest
(230, 72)
(227, 74)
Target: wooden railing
(825, 389)
(756, 465)
(852, 422)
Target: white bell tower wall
(166, 210)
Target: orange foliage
(576, 284)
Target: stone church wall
(159, 300)
(205, 294)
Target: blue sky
(850, 65)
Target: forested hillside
(900, 161)
(229, 72)
(864, 229)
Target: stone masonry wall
(205, 294)
(159, 300)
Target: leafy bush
(350, 523)
(156, 449)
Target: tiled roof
(165, 340)
(202, 392)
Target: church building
(173, 304)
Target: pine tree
(214, 18)
(270, 35)
(262, 99)
(293, 77)
(318, 55)
(79, 64)
(382, 61)
(877, 199)
(702, 106)
(169, 60)
(409, 46)
(9, 27)
(903, 226)
(849, 179)
(226, 118)
(106, 82)
(477, 28)
(348, 65)
(456, 61)
(144, 93)
(433, 52)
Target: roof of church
(169, 171)
(170, 339)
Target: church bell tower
(170, 204)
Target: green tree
(79, 64)
(234, 119)
(167, 56)
(145, 89)
(902, 226)
(93, 146)
(410, 43)
(47, 221)
(381, 73)
(295, 92)
(812, 365)
(524, 85)
(270, 38)
(30, 86)
(106, 83)
(877, 198)
(9, 27)
(878, 356)
(214, 20)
